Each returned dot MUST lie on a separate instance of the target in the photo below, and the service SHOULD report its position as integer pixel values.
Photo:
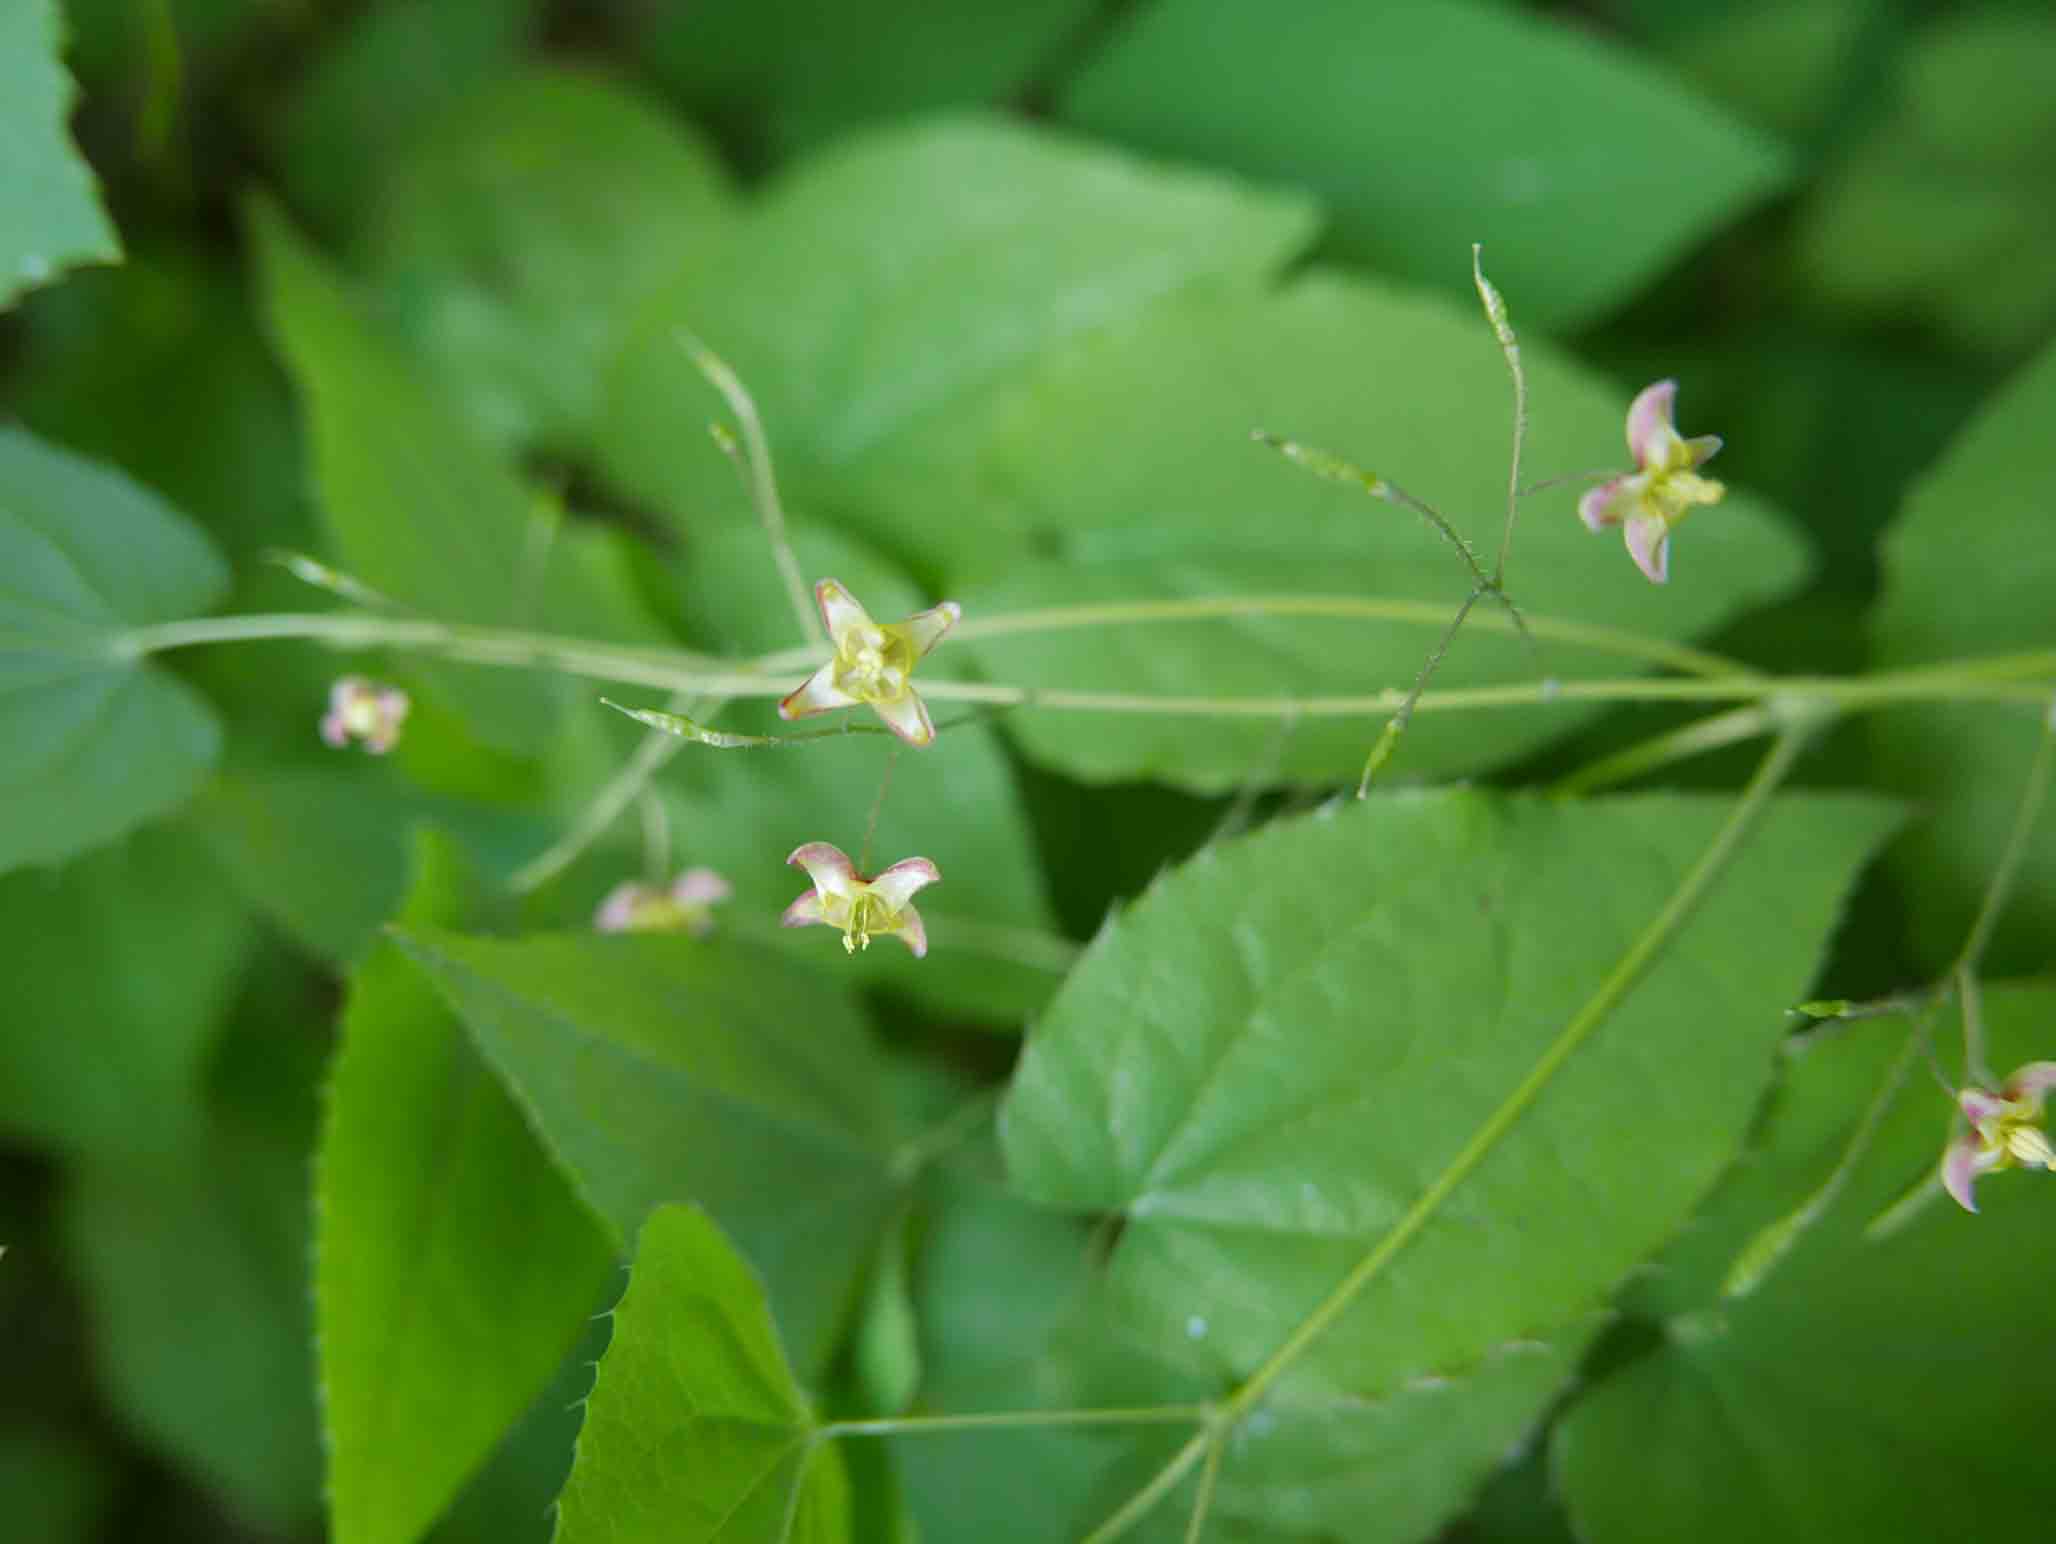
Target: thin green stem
(1048, 619)
(1388, 739)
(1772, 1243)
(312, 571)
(758, 479)
(677, 670)
(2000, 888)
(1971, 1004)
(1509, 346)
(1673, 745)
(1842, 692)
(1333, 468)
(1760, 1256)
(1209, 1476)
(1003, 1420)
(1143, 1502)
(1237, 817)
(877, 809)
(651, 756)
(1627, 971)
(1771, 772)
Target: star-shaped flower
(363, 710)
(873, 663)
(2005, 1131)
(861, 907)
(1651, 501)
(688, 906)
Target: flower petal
(1605, 505)
(818, 694)
(910, 931)
(1702, 448)
(701, 887)
(1962, 1162)
(1978, 1106)
(617, 911)
(925, 628)
(803, 911)
(1650, 424)
(1648, 539)
(2032, 1081)
(828, 866)
(898, 884)
(334, 731)
(839, 608)
(907, 716)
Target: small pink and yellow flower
(1653, 500)
(686, 907)
(862, 908)
(873, 664)
(363, 710)
(2005, 1131)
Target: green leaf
(1870, 1388)
(514, 246)
(733, 61)
(157, 366)
(865, 293)
(453, 1264)
(59, 1488)
(1408, 1460)
(1940, 214)
(92, 741)
(1278, 1050)
(322, 850)
(382, 87)
(50, 213)
(1126, 468)
(1968, 571)
(993, 953)
(418, 508)
(512, 1499)
(194, 1268)
(1426, 127)
(119, 968)
(1001, 1289)
(664, 1068)
(696, 1432)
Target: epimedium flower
(2005, 1131)
(873, 663)
(687, 906)
(862, 908)
(1653, 500)
(363, 710)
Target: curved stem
(758, 478)
(1000, 1420)
(2002, 679)
(1608, 640)
(1139, 1505)
(1845, 692)
(1693, 739)
(1772, 1243)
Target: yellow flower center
(2016, 1134)
(867, 915)
(1671, 494)
(873, 664)
(2029, 1145)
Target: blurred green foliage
(305, 1221)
